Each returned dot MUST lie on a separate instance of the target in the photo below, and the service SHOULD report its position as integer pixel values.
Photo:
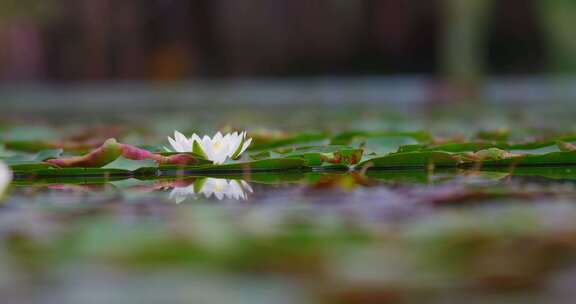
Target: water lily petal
(235, 146)
(206, 145)
(219, 158)
(180, 143)
(245, 145)
(179, 137)
(196, 138)
(175, 145)
(227, 137)
(184, 142)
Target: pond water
(321, 234)
(297, 237)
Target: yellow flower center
(216, 146)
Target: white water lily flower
(218, 187)
(5, 177)
(180, 143)
(217, 149)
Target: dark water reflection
(385, 187)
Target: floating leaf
(278, 164)
(482, 145)
(48, 154)
(411, 159)
(29, 166)
(135, 153)
(111, 150)
(28, 145)
(548, 159)
(332, 155)
(129, 164)
(103, 155)
(565, 146)
(487, 154)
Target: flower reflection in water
(5, 177)
(220, 188)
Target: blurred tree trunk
(559, 18)
(21, 56)
(463, 46)
(130, 55)
(97, 30)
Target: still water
(297, 237)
